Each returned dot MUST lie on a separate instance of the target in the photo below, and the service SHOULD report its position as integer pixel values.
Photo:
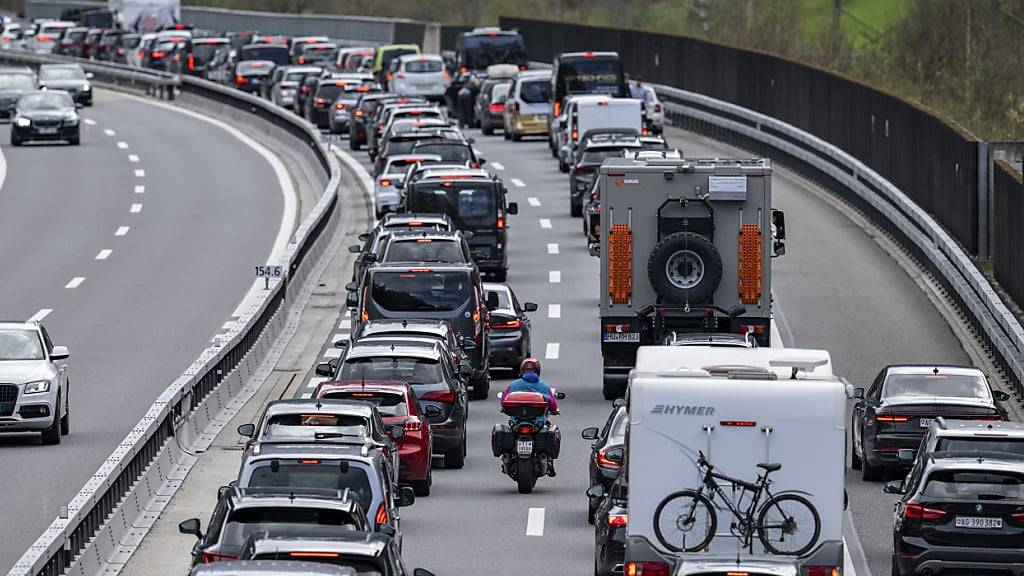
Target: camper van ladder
(708, 429)
(767, 431)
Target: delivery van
(587, 113)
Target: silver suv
(33, 382)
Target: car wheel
(65, 420)
(895, 568)
(15, 141)
(562, 166)
(500, 275)
(870, 473)
(855, 461)
(51, 435)
(422, 487)
(591, 510)
(517, 137)
(76, 139)
(505, 135)
(575, 210)
(487, 130)
(684, 268)
(455, 458)
(352, 145)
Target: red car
(397, 405)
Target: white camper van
(735, 457)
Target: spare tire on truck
(685, 268)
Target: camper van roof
(774, 363)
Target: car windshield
(453, 152)
(974, 485)
(16, 82)
(591, 76)
(247, 521)
(388, 404)
(482, 50)
(45, 101)
(423, 66)
(945, 385)
(61, 73)
(421, 290)
(469, 204)
(276, 54)
(20, 345)
(984, 444)
(398, 368)
(535, 92)
(425, 250)
(307, 425)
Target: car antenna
(935, 370)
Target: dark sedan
(610, 522)
(901, 403)
(70, 78)
(607, 452)
(14, 83)
(251, 74)
(45, 115)
(510, 327)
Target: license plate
(620, 337)
(977, 522)
(926, 422)
(47, 130)
(524, 447)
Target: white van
(744, 415)
(590, 112)
(420, 75)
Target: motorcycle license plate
(524, 447)
(976, 522)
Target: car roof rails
(941, 421)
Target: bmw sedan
(45, 115)
(70, 78)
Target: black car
(106, 48)
(276, 53)
(70, 78)
(607, 452)
(14, 83)
(45, 115)
(610, 520)
(364, 108)
(428, 368)
(250, 75)
(489, 107)
(510, 327)
(203, 50)
(961, 514)
(319, 102)
(598, 145)
(367, 553)
(903, 401)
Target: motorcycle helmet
(530, 365)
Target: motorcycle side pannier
(503, 439)
(548, 440)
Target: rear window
(204, 52)
(389, 405)
(276, 54)
(256, 67)
(306, 425)
(330, 90)
(974, 485)
(468, 204)
(500, 93)
(983, 444)
(504, 302)
(396, 147)
(323, 474)
(598, 156)
(946, 385)
(425, 250)
(398, 368)
(423, 66)
(130, 41)
(535, 92)
(448, 151)
(421, 292)
(591, 76)
(362, 566)
(388, 55)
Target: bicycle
(782, 519)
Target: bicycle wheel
(788, 525)
(685, 521)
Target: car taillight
(617, 520)
(191, 62)
(302, 60)
(891, 418)
(497, 108)
(413, 425)
(388, 77)
(445, 75)
(821, 571)
(240, 80)
(306, 90)
(364, 315)
(44, 38)
(575, 135)
(401, 76)
(509, 325)
(915, 511)
(557, 109)
(340, 106)
(142, 53)
(359, 113)
(319, 102)
(210, 557)
(645, 569)
(610, 458)
(382, 514)
(385, 182)
(593, 195)
(463, 69)
(446, 396)
(159, 54)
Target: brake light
(413, 425)
(892, 418)
(820, 571)
(583, 169)
(617, 520)
(359, 113)
(509, 325)
(445, 75)
(500, 222)
(463, 69)
(210, 557)
(159, 54)
(191, 62)
(341, 84)
(401, 76)
(645, 131)
(319, 102)
(314, 555)
(385, 182)
(915, 511)
(388, 77)
(240, 80)
(307, 89)
(142, 53)
(309, 461)
(525, 429)
(604, 461)
(44, 38)
(558, 108)
(496, 108)
(340, 106)
(751, 328)
(382, 514)
(588, 54)
(364, 315)
(446, 396)
(575, 135)
(738, 423)
(646, 569)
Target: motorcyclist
(530, 381)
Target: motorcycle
(527, 450)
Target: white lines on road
(140, 189)
(140, 173)
(136, 208)
(345, 324)
(133, 158)
(517, 183)
(555, 276)
(38, 316)
(122, 145)
(552, 247)
(75, 282)
(104, 254)
(545, 223)
(533, 201)
(554, 310)
(498, 165)
(313, 383)
(339, 336)
(122, 230)
(90, 121)
(332, 353)
(551, 351)
(109, 132)
(535, 522)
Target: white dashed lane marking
(122, 230)
(109, 132)
(517, 183)
(140, 173)
(551, 351)
(75, 282)
(332, 353)
(90, 121)
(104, 254)
(535, 522)
(545, 223)
(122, 145)
(38, 316)
(555, 276)
(554, 310)
(136, 208)
(552, 247)
(533, 201)
(345, 324)
(339, 336)
(140, 189)
(497, 166)
(313, 382)
(133, 158)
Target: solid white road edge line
(75, 282)
(551, 351)
(38, 316)
(104, 254)
(535, 522)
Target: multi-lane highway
(133, 249)
(836, 289)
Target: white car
(654, 109)
(10, 39)
(34, 375)
(386, 194)
(420, 75)
(46, 36)
(134, 57)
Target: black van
(477, 203)
(586, 73)
(431, 290)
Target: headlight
(71, 119)
(37, 387)
(23, 122)
(86, 88)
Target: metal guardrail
(110, 511)
(890, 208)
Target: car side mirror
(397, 432)
(905, 454)
(325, 369)
(589, 433)
(422, 572)
(341, 344)
(513, 208)
(997, 394)
(191, 526)
(596, 491)
(355, 248)
(465, 370)
(470, 140)
(563, 123)
(352, 300)
(79, 105)
(479, 255)
(352, 287)
(369, 258)
(492, 301)
(364, 237)
(779, 220)
(480, 159)
(894, 487)
(778, 249)
(852, 392)
(60, 353)
(432, 410)
(247, 430)
(529, 307)
(406, 497)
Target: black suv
(476, 202)
(960, 513)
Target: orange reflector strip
(741, 423)
(750, 257)
(620, 263)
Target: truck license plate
(620, 337)
(976, 522)
(524, 447)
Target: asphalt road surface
(835, 288)
(140, 243)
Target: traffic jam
(700, 466)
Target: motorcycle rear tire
(524, 475)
